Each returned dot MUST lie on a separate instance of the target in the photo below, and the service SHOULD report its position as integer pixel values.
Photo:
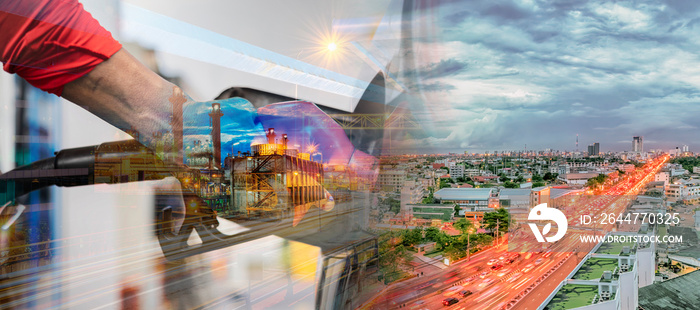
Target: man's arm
(60, 48)
(126, 94)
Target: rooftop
(677, 293)
(572, 296)
(463, 193)
(441, 212)
(579, 176)
(593, 268)
(615, 248)
(507, 192)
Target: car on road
(515, 277)
(465, 293)
(539, 261)
(452, 290)
(528, 267)
(491, 262)
(486, 282)
(496, 267)
(483, 274)
(547, 254)
(449, 301)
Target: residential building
(677, 171)
(594, 149)
(484, 178)
(438, 165)
(411, 193)
(685, 190)
(472, 172)
(539, 195)
(662, 176)
(457, 171)
(391, 180)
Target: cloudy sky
(487, 75)
(511, 73)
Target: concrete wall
(628, 291)
(646, 266)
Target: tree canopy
(499, 218)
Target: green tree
(392, 256)
(500, 217)
(394, 204)
(550, 177)
(510, 184)
(538, 184)
(537, 178)
(430, 199)
(431, 233)
(442, 240)
(463, 225)
(481, 240)
(412, 237)
(444, 183)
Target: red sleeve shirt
(50, 43)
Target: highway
(526, 282)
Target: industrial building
(273, 180)
(472, 199)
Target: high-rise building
(638, 144)
(594, 149)
(685, 148)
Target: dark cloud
(456, 18)
(506, 11)
(538, 73)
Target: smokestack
(216, 115)
(271, 135)
(284, 141)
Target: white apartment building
(391, 180)
(411, 193)
(678, 171)
(683, 190)
(472, 172)
(457, 171)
